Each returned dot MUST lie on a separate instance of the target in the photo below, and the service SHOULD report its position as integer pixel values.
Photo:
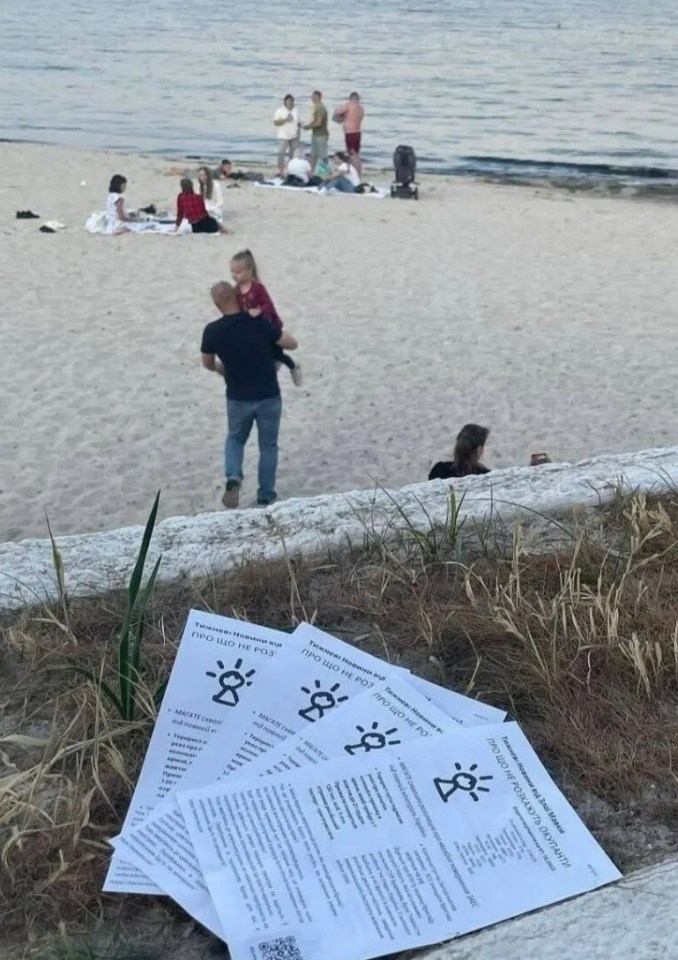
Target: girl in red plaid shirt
(254, 299)
(191, 207)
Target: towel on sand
(278, 184)
(97, 223)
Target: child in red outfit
(254, 299)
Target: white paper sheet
(275, 711)
(468, 712)
(384, 717)
(311, 677)
(391, 714)
(373, 854)
(215, 671)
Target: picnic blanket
(97, 223)
(277, 184)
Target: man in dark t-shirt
(239, 347)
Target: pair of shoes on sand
(231, 497)
(27, 215)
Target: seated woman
(210, 191)
(345, 178)
(191, 207)
(118, 220)
(468, 451)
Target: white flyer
(386, 851)
(314, 675)
(385, 717)
(467, 711)
(391, 714)
(215, 671)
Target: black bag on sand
(404, 185)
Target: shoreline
(638, 180)
(545, 315)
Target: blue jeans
(342, 184)
(240, 416)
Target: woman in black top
(467, 453)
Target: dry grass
(580, 646)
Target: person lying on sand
(225, 171)
(228, 172)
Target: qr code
(284, 948)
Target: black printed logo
(230, 681)
(372, 739)
(321, 702)
(466, 781)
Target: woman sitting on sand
(468, 451)
(345, 177)
(117, 218)
(210, 191)
(191, 207)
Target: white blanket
(97, 223)
(277, 184)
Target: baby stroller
(405, 163)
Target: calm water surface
(471, 84)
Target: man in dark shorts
(239, 347)
(352, 114)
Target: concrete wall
(634, 919)
(214, 543)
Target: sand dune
(549, 317)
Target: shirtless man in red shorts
(352, 114)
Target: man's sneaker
(267, 503)
(296, 375)
(231, 497)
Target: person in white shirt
(286, 120)
(345, 178)
(300, 169)
(211, 193)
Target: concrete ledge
(214, 543)
(634, 919)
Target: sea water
(586, 88)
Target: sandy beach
(547, 316)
